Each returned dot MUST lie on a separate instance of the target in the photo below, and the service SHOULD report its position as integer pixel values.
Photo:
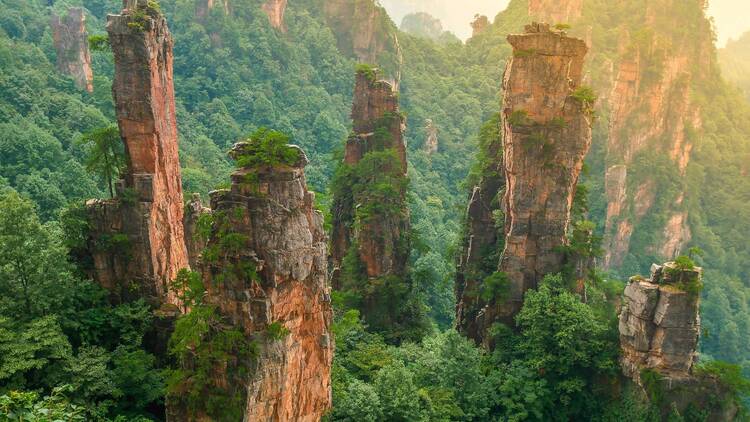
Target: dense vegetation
(66, 350)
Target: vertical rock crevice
(546, 133)
(72, 47)
(137, 238)
(275, 10)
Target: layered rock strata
(72, 47)
(137, 238)
(377, 127)
(659, 323)
(269, 279)
(546, 122)
(659, 332)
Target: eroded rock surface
(556, 11)
(194, 240)
(137, 239)
(377, 126)
(479, 24)
(72, 47)
(431, 143)
(274, 274)
(659, 323)
(546, 135)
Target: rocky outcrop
(482, 240)
(364, 31)
(377, 128)
(556, 11)
(659, 331)
(423, 25)
(72, 46)
(652, 110)
(193, 221)
(275, 10)
(479, 24)
(137, 238)
(546, 133)
(659, 322)
(265, 271)
(431, 143)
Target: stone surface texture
(138, 238)
(556, 11)
(431, 142)
(275, 10)
(546, 135)
(284, 238)
(378, 239)
(194, 242)
(72, 47)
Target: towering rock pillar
(375, 223)
(556, 11)
(265, 270)
(72, 46)
(546, 122)
(371, 233)
(138, 237)
(659, 331)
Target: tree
(106, 155)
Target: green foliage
(267, 148)
(652, 383)
(189, 288)
(106, 155)
(496, 287)
(562, 26)
(585, 95)
(28, 406)
(367, 70)
(201, 343)
(519, 118)
(99, 43)
(730, 377)
(276, 331)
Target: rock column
(138, 237)
(72, 47)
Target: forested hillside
(67, 349)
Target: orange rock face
(375, 110)
(556, 11)
(479, 24)
(546, 135)
(147, 216)
(72, 47)
(284, 242)
(651, 112)
(275, 10)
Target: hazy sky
(732, 16)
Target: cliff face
(275, 10)
(556, 11)
(659, 331)
(546, 135)
(194, 217)
(479, 25)
(72, 47)
(138, 236)
(364, 30)
(204, 7)
(265, 271)
(377, 127)
(651, 109)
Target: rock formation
(479, 24)
(556, 11)
(275, 10)
(378, 126)
(651, 110)
(483, 238)
(659, 322)
(137, 238)
(364, 30)
(431, 141)
(423, 25)
(204, 7)
(72, 47)
(194, 240)
(659, 330)
(546, 123)
(265, 271)
(371, 236)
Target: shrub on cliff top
(367, 70)
(267, 147)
